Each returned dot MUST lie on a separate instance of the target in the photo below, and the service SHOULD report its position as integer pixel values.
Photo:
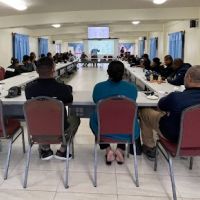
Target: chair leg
(67, 168)
(172, 178)
(136, 166)
(8, 159)
(95, 165)
(27, 167)
(156, 158)
(128, 150)
(72, 145)
(191, 163)
(23, 141)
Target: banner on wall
(128, 47)
(77, 48)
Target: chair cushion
(11, 126)
(168, 146)
(172, 149)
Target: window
(58, 48)
(20, 46)
(176, 44)
(43, 46)
(153, 48)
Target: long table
(137, 75)
(83, 103)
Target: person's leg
(74, 123)
(149, 121)
(45, 152)
(119, 153)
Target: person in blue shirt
(166, 120)
(112, 87)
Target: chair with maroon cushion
(45, 124)
(10, 129)
(116, 122)
(2, 73)
(188, 144)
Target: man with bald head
(166, 119)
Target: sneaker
(62, 155)
(46, 155)
(149, 152)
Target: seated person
(145, 62)
(84, 59)
(42, 55)
(132, 60)
(167, 68)
(179, 71)
(112, 87)
(166, 120)
(33, 59)
(13, 69)
(27, 65)
(156, 65)
(46, 85)
(49, 55)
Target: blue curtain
(153, 48)
(141, 47)
(43, 46)
(176, 44)
(21, 46)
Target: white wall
(33, 42)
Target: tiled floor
(45, 180)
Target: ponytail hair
(116, 71)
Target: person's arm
(167, 103)
(67, 96)
(95, 94)
(178, 79)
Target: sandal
(119, 156)
(109, 157)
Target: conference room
(99, 99)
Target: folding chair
(188, 144)
(45, 124)
(116, 120)
(10, 129)
(2, 73)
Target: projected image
(77, 48)
(98, 32)
(128, 47)
(101, 47)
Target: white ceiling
(41, 6)
(117, 14)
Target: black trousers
(105, 146)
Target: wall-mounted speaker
(194, 23)
(53, 42)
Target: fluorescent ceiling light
(56, 25)
(16, 4)
(159, 1)
(135, 22)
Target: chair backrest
(2, 122)
(45, 120)
(116, 120)
(189, 139)
(2, 73)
